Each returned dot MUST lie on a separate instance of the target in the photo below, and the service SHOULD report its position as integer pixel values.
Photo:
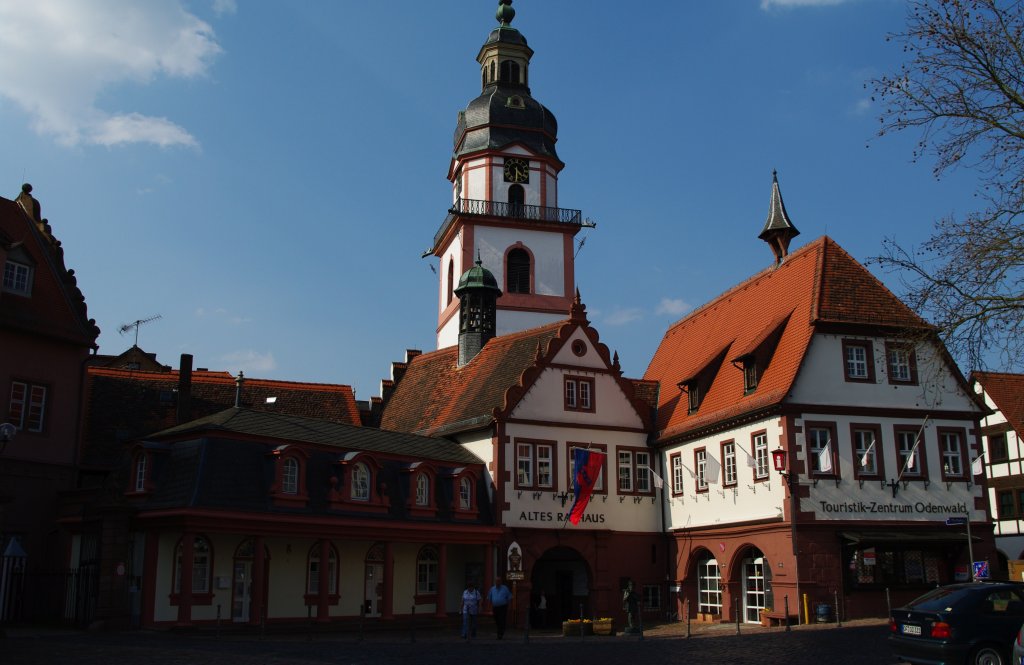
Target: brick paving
(856, 642)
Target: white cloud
(250, 361)
(673, 306)
(58, 56)
(221, 314)
(769, 4)
(622, 315)
(862, 106)
(222, 7)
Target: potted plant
(577, 627)
(604, 626)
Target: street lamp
(779, 461)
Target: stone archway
(563, 576)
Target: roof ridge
(770, 270)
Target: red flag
(588, 465)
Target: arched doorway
(242, 609)
(756, 584)
(562, 576)
(709, 585)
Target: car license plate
(911, 630)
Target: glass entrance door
(374, 591)
(753, 589)
(241, 591)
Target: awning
(924, 538)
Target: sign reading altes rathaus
(883, 509)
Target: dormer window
(140, 472)
(360, 482)
(289, 487)
(750, 374)
(422, 490)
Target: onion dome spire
(778, 231)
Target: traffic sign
(956, 521)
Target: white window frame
(899, 364)
(290, 476)
(857, 361)
(729, 462)
(17, 277)
(815, 446)
(701, 457)
(426, 571)
(360, 482)
(864, 440)
(524, 464)
(642, 471)
(760, 446)
(677, 474)
(313, 569)
(625, 467)
(465, 493)
(905, 440)
(422, 489)
(951, 454)
(140, 473)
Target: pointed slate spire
(578, 311)
(778, 231)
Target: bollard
(309, 623)
(218, 621)
(839, 620)
(526, 633)
(412, 625)
(888, 603)
(263, 622)
(581, 619)
(736, 604)
(640, 621)
(686, 610)
(362, 615)
(785, 605)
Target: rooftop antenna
(135, 325)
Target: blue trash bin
(823, 612)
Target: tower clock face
(517, 170)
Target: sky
(265, 175)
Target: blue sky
(265, 175)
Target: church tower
(504, 174)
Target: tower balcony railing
(518, 211)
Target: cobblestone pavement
(856, 642)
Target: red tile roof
(1007, 391)
(436, 397)
(818, 284)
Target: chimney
(239, 381)
(185, 389)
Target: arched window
(517, 272)
(422, 490)
(315, 569)
(202, 566)
(360, 482)
(426, 570)
(451, 281)
(465, 494)
(509, 71)
(492, 70)
(290, 476)
(516, 198)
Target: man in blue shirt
(499, 597)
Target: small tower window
(451, 281)
(516, 198)
(509, 71)
(492, 71)
(518, 271)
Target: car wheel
(987, 655)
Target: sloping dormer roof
(818, 286)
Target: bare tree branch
(962, 88)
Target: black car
(971, 623)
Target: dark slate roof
(506, 35)
(490, 123)
(288, 428)
(124, 405)
(778, 219)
